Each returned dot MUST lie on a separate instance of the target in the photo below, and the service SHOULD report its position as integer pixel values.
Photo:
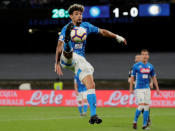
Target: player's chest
(79, 46)
(144, 71)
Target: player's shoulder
(149, 64)
(64, 27)
(137, 64)
(86, 24)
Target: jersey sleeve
(93, 29)
(152, 73)
(133, 72)
(62, 35)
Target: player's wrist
(130, 88)
(119, 38)
(57, 63)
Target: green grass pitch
(68, 119)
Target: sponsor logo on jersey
(78, 46)
(145, 70)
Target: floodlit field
(68, 119)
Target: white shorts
(82, 95)
(143, 96)
(78, 64)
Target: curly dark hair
(75, 7)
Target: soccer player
(71, 55)
(143, 70)
(81, 94)
(138, 58)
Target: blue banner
(154, 10)
(96, 12)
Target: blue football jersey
(81, 87)
(79, 48)
(142, 72)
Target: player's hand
(125, 42)
(58, 69)
(158, 92)
(131, 91)
(120, 39)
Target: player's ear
(71, 16)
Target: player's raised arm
(109, 34)
(57, 58)
(156, 84)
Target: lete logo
(39, 98)
(117, 98)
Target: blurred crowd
(54, 3)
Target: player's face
(138, 58)
(77, 17)
(145, 56)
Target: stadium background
(29, 36)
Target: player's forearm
(131, 86)
(131, 83)
(58, 52)
(57, 57)
(151, 84)
(129, 79)
(75, 86)
(107, 33)
(155, 82)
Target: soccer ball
(78, 34)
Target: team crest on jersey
(140, 66)
(145, 70)
(84, 29)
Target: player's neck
(144, 62)
(76, 24)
